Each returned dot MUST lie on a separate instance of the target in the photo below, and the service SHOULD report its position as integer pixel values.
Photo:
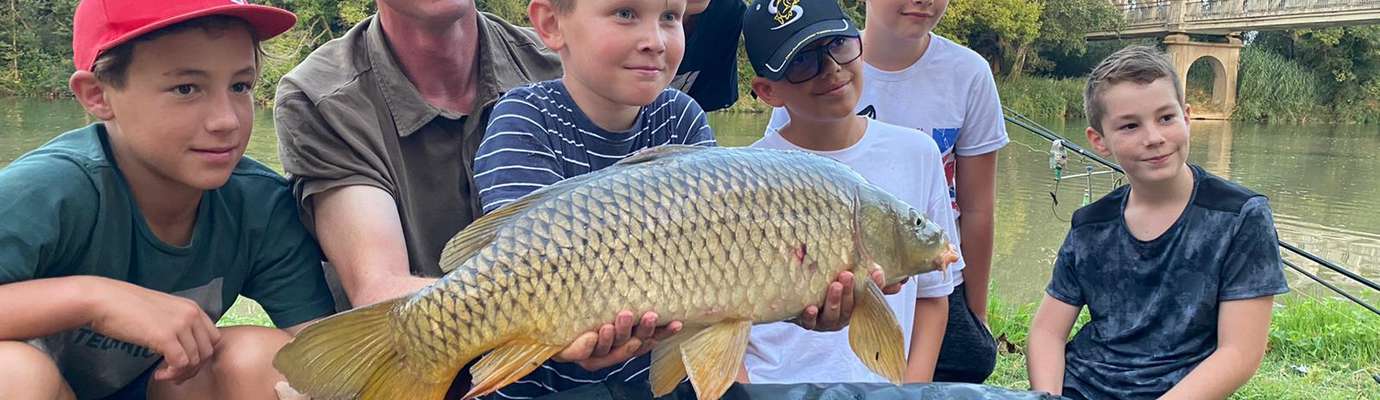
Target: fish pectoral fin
(714, 356)
(508, 363)
(874, 334)
(668, 366)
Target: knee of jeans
(28, 370)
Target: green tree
(1344, 59)
(1064, 24)
(1001, 30)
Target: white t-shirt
(907, 164)
(949, 93)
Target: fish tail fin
(353, 355)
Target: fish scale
(715, 238)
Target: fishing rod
(1030, 125)
(1334, 288)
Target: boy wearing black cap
(805, 53)
(122, 242)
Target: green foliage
(36, 47)
(1043, 98)
(1000, 30)
(1274, 88)
(1345, 62)
(514, 11)
(1319, 349)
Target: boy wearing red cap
(122, 242)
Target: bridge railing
(1146, 11)
(1153, 12)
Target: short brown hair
(112, 66)
(563, 6)
(1139, 64)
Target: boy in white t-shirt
(917, 79)
(806, 61)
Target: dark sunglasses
(809, 63)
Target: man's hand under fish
(621, 340)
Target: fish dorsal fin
(659, 152)
(714, 356)
(480, 233)
(874, 334)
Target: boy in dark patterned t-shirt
(1178, 270)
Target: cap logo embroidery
(786, 12)
(240, 2)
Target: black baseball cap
(774, 31)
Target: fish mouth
(942, 261)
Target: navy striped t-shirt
(538, 136)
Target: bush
(1272, 88)
(1043, 98)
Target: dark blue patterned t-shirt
(1154, 303)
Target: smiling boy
(1178, 269)
(122, 242)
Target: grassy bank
(1036, 97)
(1319, 349)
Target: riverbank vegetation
(1035, 48)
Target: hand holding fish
(615, 343)
(838, 303)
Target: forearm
(1045, 362)
(1049, 333)
(42, 307)
(1218, 376)
(976, 198)
(976, 230)
(927, 335)
(361, 234)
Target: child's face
(830, 95)
(905, 18)
(1145, 129)
(186, 110)
(623, 51)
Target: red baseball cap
(100, 25)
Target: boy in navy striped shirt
(619, 57)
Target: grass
(1272, 88)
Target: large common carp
(716, 238)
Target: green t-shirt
(65, 209)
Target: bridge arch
(1223, 58)
(1217, 80)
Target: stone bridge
(1215, 26)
